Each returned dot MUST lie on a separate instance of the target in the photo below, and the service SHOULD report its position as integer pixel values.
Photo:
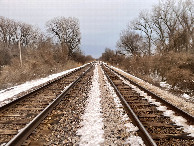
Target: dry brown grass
(35, 65)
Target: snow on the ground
(132, 139)
(13, 91)
(92, 131)
(182, 103)
(186, 96)
(178, 120)
(165, 85)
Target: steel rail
(146, 136)
(27, 130)
(187, 116)
(40, 87)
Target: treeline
(27, 53)
(159, 44)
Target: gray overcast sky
(101, 21)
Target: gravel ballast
(118, 128)
(92, 116)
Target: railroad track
(150, 113)
(53, 114)
(16, 116)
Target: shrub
(181, 78)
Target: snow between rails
(92, 130)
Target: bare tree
(130, 43)
(165, 24)
(3, 30)
(158, 29)
(18, 35)
(172, 25)
(27, 35)
(143, 24)
(7, 31)
(184, 15)
(67, 32)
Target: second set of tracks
(155, 127)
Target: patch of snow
(13, 91)
(92, 125)
(131, 127)
(156, 77)
(134, 141)
(165, 85)
(186, 96)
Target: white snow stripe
(92, 125)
